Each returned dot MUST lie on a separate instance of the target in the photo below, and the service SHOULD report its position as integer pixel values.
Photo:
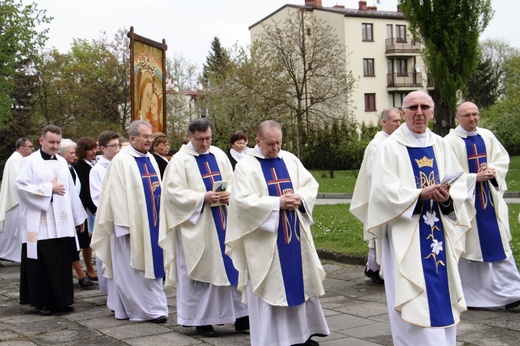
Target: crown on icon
(425, 162)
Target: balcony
(402, 47)
(409, 80)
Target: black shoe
(92, 278)
(206, 331)
(242, 324)
(309, 342)
(512, 305)
(374, 275)
(85, 282)
(160, 319)
(62, 309)
(43, 310)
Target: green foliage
(19, 44)
(483, 86)
(502, 118)
(449, 31)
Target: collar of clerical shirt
(46, 156)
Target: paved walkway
(355, 309)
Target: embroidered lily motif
(430, 219)
(436, 246)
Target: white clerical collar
(135, 152)
(190, 145)
(473, 133)
(386, 135)
(421, 139)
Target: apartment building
(379, 52)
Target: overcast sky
(189, 26)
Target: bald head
(468, 116)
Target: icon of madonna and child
(149, 98)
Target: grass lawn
(344, 181)
(336, 229)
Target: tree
(19, 44)
(306, 64)
(83, 91)
(483, 86)
(217, 62)
(181, 79)
(502, 118)
(449, 31)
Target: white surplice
(393, 197)
(251, 242)
(97, 174)
(191, 245)
(10, 237)
(39, 218)
(490, 284)
(122, 241)
(359, 203)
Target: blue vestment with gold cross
(488, 230)
(152, 194)
(210, 173)
(432, 239)
(288, 242)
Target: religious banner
(148, 80)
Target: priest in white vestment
(193, 229)
(108, 142)
(390, 121)
(419, 224)
(50, 213)
(126, 231)
(10, 237)
(487, 268)
(270, 241)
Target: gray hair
(133, 129)
(386, 112)
(267, 124)
(65, 144)
(20, 142)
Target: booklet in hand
(219, 186)
(451, 178)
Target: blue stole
(431, 237)
(487, 225)
(152, 195)
(288, 241)
(210, 173)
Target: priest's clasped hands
(438, 192)
(290, 201)
(486, 174)
(214, 197)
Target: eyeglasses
(146, 136)
(201, 140)
(467, 115)
(114, 145)
(414, 108)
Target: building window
(367, 32)
(370, 102)
(389, 31)
(402, 69)
(368, 68)
(400, 33)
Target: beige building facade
(379, 51)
